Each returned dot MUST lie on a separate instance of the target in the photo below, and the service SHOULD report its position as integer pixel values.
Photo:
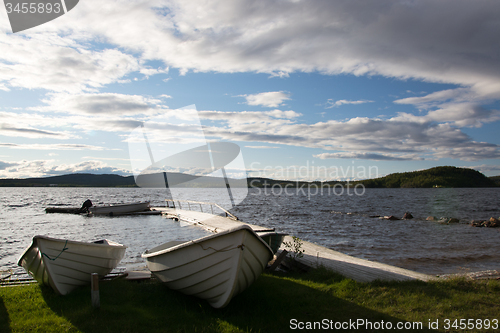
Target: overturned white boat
(215, 268)
(65, 265)
(120, 209)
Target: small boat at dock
(215, 268)
(65, 264)
(120, 209)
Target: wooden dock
(360, 270)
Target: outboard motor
(85, 207)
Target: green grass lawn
(277, 302)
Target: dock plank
(208, 221)
(315, 255)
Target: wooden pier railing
(190, 203)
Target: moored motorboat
(65, 264)
(215, 268)
(120, 209)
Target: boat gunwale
(271, 233)
(148, 254)
(34, 244)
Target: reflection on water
(340, 222)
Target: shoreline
(314, 255)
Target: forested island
(443, 176)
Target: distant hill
(496, 180)
(91, 180)
(443, 176)
(73, 180)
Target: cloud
(398, 138)
(57, 146)
(54, 63)
(4, 165)
(331, 104)
(486, 169)
(101, 104)
(153, 71)
(396, 39)
(248, 121)
(389, 38)
(457, 114)
(460, 107)
(36, 124)
(94, 167)
(24, 169)
(271, 99)
(77, 55)
(26, 132)
(402, 137)
(248, 116)
(45, 168)
(436, 98)
(369, 156)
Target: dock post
(94, 287)
(278, 260)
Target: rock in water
(407, 216)
(477, 223)
(493, 223)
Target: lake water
(341, 222)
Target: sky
(310, 90)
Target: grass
(268, 305)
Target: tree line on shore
(443, 176)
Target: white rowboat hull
(65, 265)
(215, 268)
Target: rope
(64, 249)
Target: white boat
(215, 268)
(65, 265)
(120, 209)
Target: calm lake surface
(341, 222)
